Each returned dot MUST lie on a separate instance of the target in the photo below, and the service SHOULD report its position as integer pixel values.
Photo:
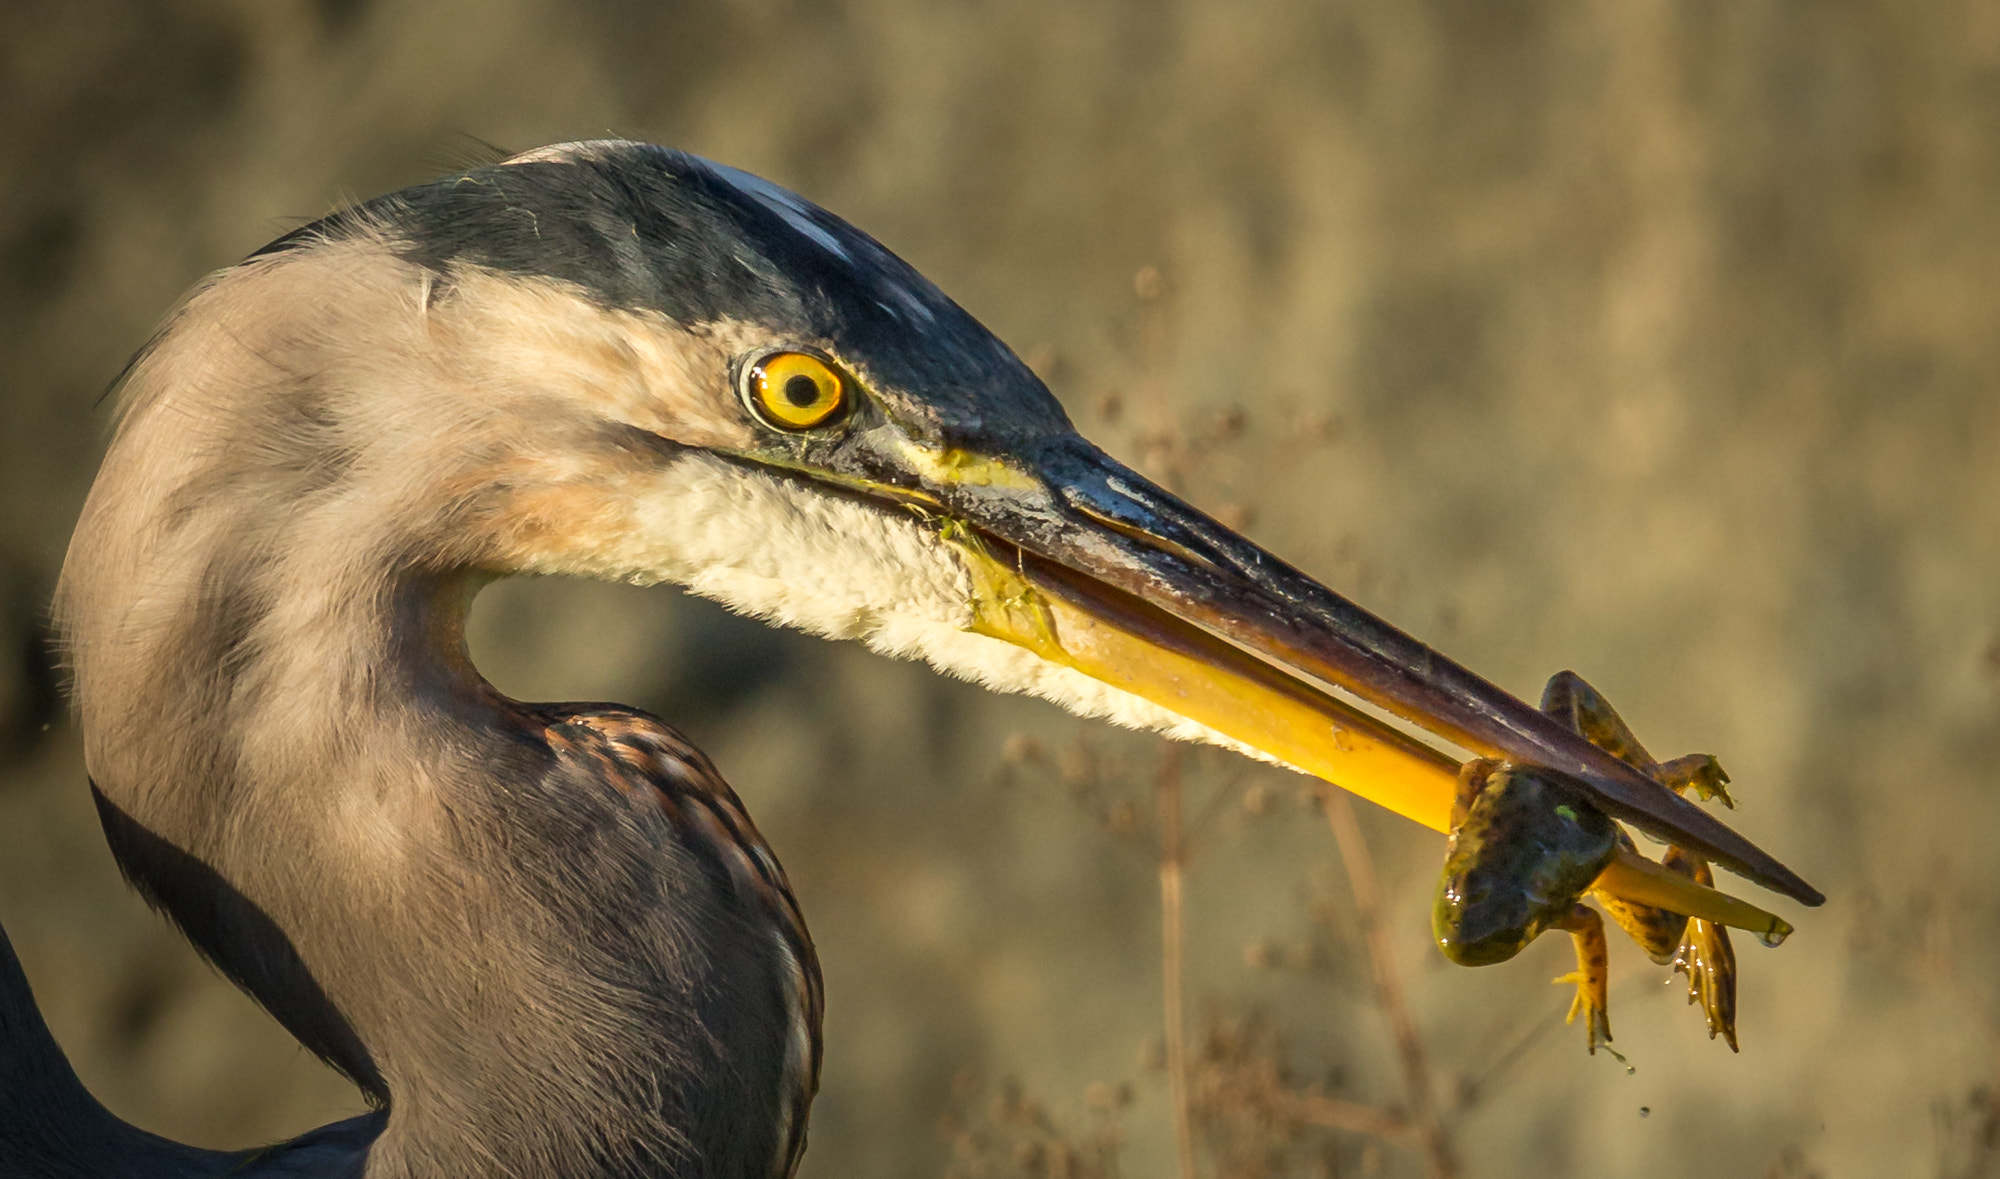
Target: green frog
(1526, 845)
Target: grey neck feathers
(298, 764)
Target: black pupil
(802, 391)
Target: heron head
(661, 369)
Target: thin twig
(1319, 1110)
(1172, 855)
(1361, 880)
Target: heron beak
(1090, 565)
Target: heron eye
(794, 391)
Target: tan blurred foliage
(1652, 340)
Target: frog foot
(1591, 976)
(1709, 961)
(1698, 772)
(1590, 1004)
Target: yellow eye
(795, 391)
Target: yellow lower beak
(1122, 641)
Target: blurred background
(1654, 340)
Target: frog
(1527, 843)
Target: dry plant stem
(1388, 987)
(1335, 1114)
(1173, 848)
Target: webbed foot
(1591, 976)
(1709, 961)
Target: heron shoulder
(648, 761)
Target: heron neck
(327, 798)
(264, 604)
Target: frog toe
(1588, 1002)
(1699, 772)
(1709, 961)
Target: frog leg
(1698, 772)
(1697, 948)
(1591, 976)
(1694, 947)
(1570, 699)
(1659, 932)
(1471, 780)
(1703, 953)
(1707, 958)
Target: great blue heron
(546, 940)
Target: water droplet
(1645, 1111)
(1342, 741)
(1776, 935)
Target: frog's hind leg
(1659, 932)
(1707, 958)
(1697, 948)
(1591, 976)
